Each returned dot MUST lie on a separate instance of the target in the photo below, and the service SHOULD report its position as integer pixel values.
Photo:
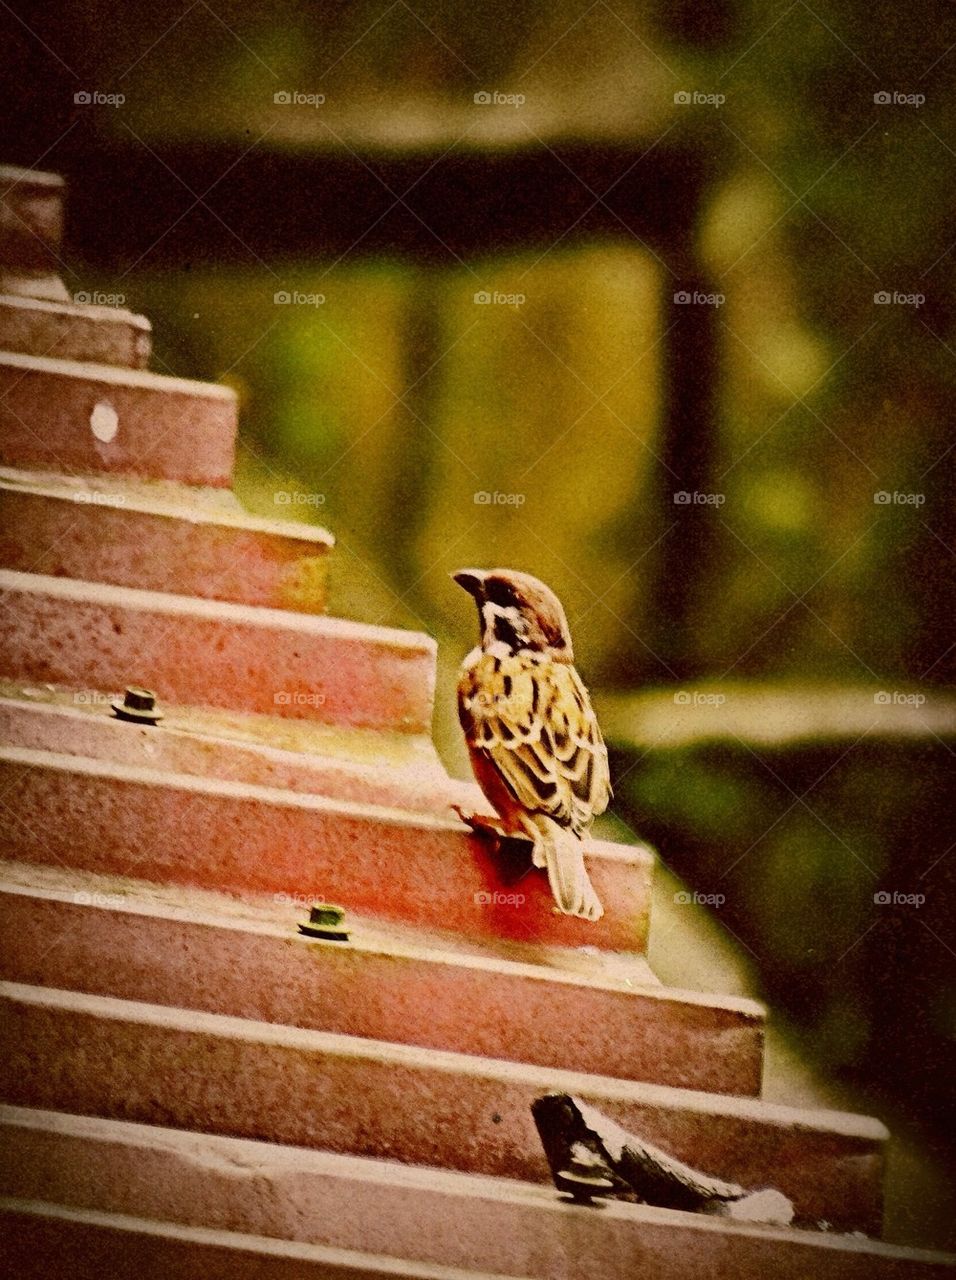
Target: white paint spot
(104, 422)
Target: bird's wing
(533, 720)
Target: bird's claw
(480, 823)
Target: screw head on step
(326, 921)
(138, 705)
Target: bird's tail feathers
(562, 853)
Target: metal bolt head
(326, 921)
(138, 705)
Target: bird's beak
(471, 579)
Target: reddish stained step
(31, 230)
(129, 538)
(63, 415)
(217, 1074)
(429, 1215)
(74, 331)
(199, 954)
(47, 1242)
(374, 766)
(206, 653)
(257, 841)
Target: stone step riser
(88, 334)
(31, 232)
(432, 1217)
(407, 774)
(60, 415)
(417, 1106)
(47, 1243)
(82, 536)
(379, 863)
(204, 653)
(411, 996)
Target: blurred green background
(745, 499)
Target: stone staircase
(193, 1087)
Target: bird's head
(517, 611)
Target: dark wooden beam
(127, 202)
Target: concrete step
(207, 653)
(431, 1216)
(31, 231)
(128, 1060)
(265, 912)
(121, 532)
(90, 333)
(198, 952)
(64, 415)
(387, 864)
(373, 766)
(47, 1242)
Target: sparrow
(590, 1155)
(533, 738)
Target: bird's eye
(499, 593)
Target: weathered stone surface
(128, 538)
(431, 1216)
(249, 1079)
(383, 863)
(50, 1243)
(373, 766)
(410, 992)
(74, 331)
(61, 415)
(31, 230)
(214, 654)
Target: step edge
(80, 310)
(116, 500)
(452, 1183)
(312, 758)
(292, 1250)
(105, 595)
(225, 788)
(17, 174)
(88, 766)
(118, 376)
(836, 1123)
(749, 1010)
